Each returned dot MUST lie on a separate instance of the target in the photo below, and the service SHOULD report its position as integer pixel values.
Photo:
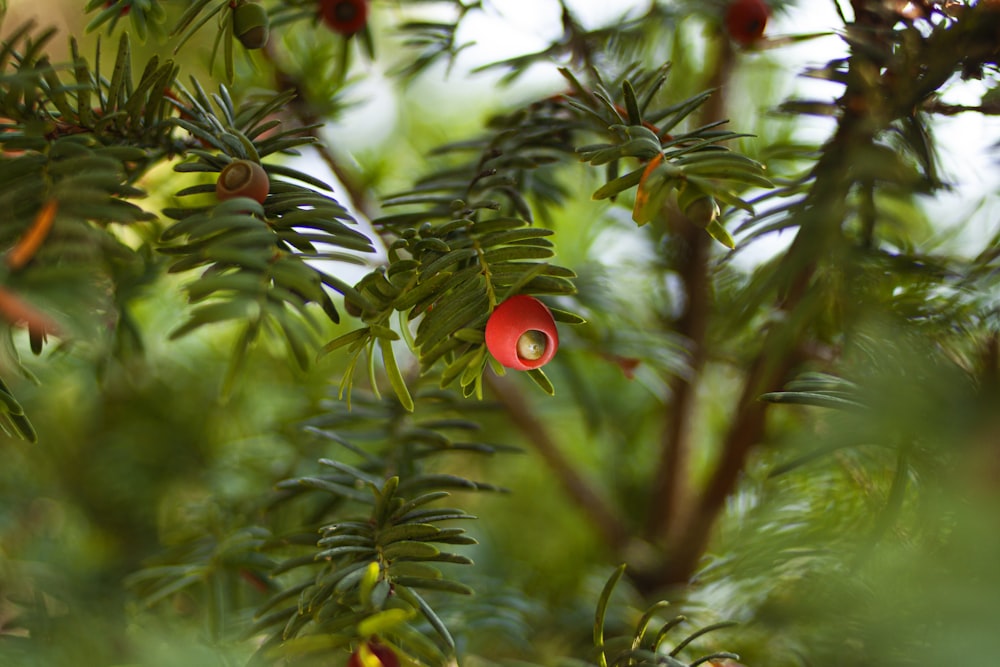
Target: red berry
(345, 17)
(381, 652)
(746, 20)
(243, 178)
(521, 333)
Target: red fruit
(243, 178)
(746, 20)
(380, 652)
(344, 17)
(521, 333)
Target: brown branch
(613, 531)
(671, 493)
(779, 353)
(299, 107)
(745, 431)
(360, 200)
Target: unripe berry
(344, 17)
(700, 208)
(746, 20)
(251, 25)
(243, 178)
(702, 211)
(382, 653)
(521, 333)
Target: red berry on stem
(344, 17)
(243, 178)
(521, 333)
(746, 20)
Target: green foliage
(376, 566)
(643, 646)
(804, 442)
(256, 257)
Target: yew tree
(342, 332)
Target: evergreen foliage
(259, 430)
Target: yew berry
(251, 25)
(344, 17)
(243, 178)
(521, 333)
(746, 20)
(382, 653)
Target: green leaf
(444, 585)
(216, 312)
(336, 552)
(407, 531)
(618, 185)
(566, 317)
(307, 645)
(631, 104)
(346, 539)
(418, 501)
(330, 487)
(542, 380)
(446, 261)
(643, 624)
(409, 550)
(384, 621)
(395, 377)
(362, 334)
(385, 500)
(601, 614)
(719, 233)
(822, 400)
(22, 426)
(652, 196)
(424, 289)
(358, 474)
(412, 596)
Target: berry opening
(236, 175)
(531, 345)
(243, 178)
(746, 20)
(345, 17)
(345, 11)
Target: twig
(670, 495)
(780, 350)
(357, 195)
(671, 492)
